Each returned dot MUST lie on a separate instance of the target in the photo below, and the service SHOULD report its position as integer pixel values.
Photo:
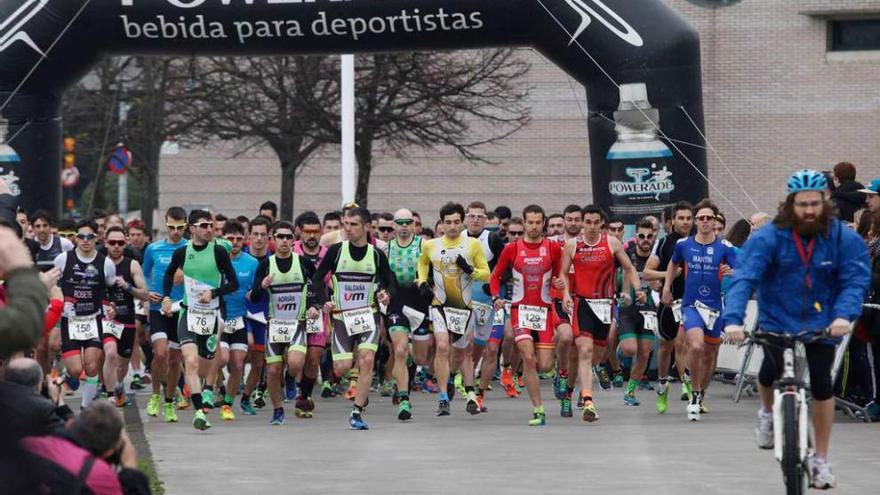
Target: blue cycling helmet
(807, 180)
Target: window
(853, 35)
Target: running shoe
(472, 407)
(429, 386)
(170, 413)
(510, 390)
(580, 403)
(404, 411)
(351, 392)
(518, 383)
(538, 419)
(136, 383)
(395, 397)
(481, 402)
(153, 405)
(873, 410)
(304, 407)
(72, 382)
(247, 408)
(703, 408)
(207, 399)
(561, 387)
(200, 421)
(182, 403)
(226, 413)
(443, 408)
(764, 430)
(602, 374)
(289, 390)
(686, 390)
(326, 390)
(645, 384)
(259, 400)
(120, 400)
(277, 417)
(459, 385)
(506, 377)
(387, 388)
(617, 381)
(663, 400)
(565, 410)
(356, 421)
(590, 414)
(630, 400)
(693, 412)
(820, 473)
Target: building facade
(787, 85)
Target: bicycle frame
(790, 384)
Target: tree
(266, 101)
(429, 100)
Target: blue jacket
(771, 266)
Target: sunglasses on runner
(87, 237)
(176, 227)
(311, 231)
(705, 218)
(404, 221)
(646, 236)
(66, 233)
(386, 229)
(115, 243)
(284, 236)
(205, 225)
(515, 233)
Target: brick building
(787, 84)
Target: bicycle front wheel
(792, 465)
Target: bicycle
(792, 430)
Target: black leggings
(820, 358)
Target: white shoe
(693, 412)
(764, 430)
(820, 474)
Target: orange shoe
(351, 392)
(480, 404)
(120, 400)
(507, 377)
(510, 390)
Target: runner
(165, 367)
(566, 357)
(283, 280)
(705, 259)
(255, 323)
(119, 333)
(533, 261)
(609, 370)
(234, 340)
(360, 278)
(455, 261)
(85, 276)
(308, 247)
(208, 276)
(669, 317)
(555, 225)
(810, 272)
(484, 314)
(593, 257)
(407, 314)
(50, 245)
(638, 322)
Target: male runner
(533, 261)
(283, 278)
(234, 341)
(255, 322)
(810, 272)
(360, 278)
(208, 276)
(408, 314)
(165, 367)
(592, 257)
(85, 276)
(119, 333)
(638, 322)
(456, 261)
(705, 259)
(50, 245)
(669, 317)
(555, 225)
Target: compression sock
(196, 401)
(89, 391)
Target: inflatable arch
(638, 60)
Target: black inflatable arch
(640, 44)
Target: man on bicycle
(810, 272)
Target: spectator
(872, 195)
(94, 448)
(759, 220)
(739, 232)
(21, 320)
(270, 210)
(39, 409)
(846, 195)
(871, 317)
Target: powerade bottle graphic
(641, 180)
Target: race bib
(139, 309)
(415, 317)
(359, 321)
(457, 320)
(650, 318)
(201, 322)
(532, 318)
(316, 325)
(708, 314)
(281, 331)
(482, 312)
(234, 324)
(113, 328)
(676, 310)
(601, 308)
(257, 317)
(82, 328)
(499, 318)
